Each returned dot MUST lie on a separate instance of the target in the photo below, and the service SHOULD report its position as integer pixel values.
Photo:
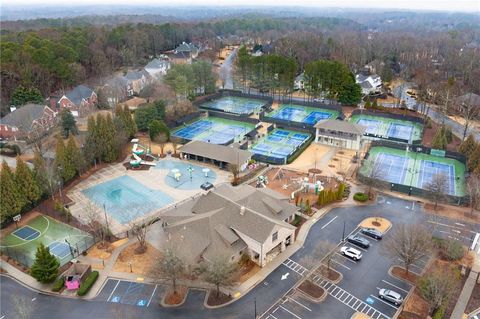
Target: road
(226, 72)
(120, 299)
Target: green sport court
(235, 104)
(302, 114)
(214, 130)
(62, 240)
(416, 169)
(389, 128)
(280, 143)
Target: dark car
(372, 232)
(359, 241)
(206, 186)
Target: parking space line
(270, 315)
(346, 258)
(153, 293)
(384, 302)
(293, 314)
(329, 222)
(299, 303)
(389, 283)
(340, 264)
(115, 288)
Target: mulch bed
(399, 272)
(311, 289)
(176, 298)
(217, 300)
(455, 291)
(331, 274)
(474, 302)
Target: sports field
(214, 130)
(280, 143)
(63, 240)
(389, 128)
(302, 114)
(416, 169)
(235, 104)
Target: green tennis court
(416, 169)
(385, 127)
(302, 114)
(64, 241)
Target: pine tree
(69, 126)
(45, 267)
(340, 190)
(468, 146)
(439, 140)
(375, 104)
(130, 122)
(91, 150)
(60, 157)
(448, 135)
(321, 198)
(71, 159)
(26, 183)
(368, 104)
(111, 150)
(474, 159)
(11, 200)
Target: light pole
(343, 232)
(105, 214)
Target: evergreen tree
(474, 159)
(468, 146)
(69, 126)
(71, 160)
(368, 104)
(448, 134)
(350, 94)
(156, 127)
(26, 183)
(91, 150)
(340, 190)
(439, 140)
(11, 200)
(60, 157)
(45, 267)
(100, 137)
(109, 140)
(23, 95)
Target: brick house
(28, 122)
(81, 100)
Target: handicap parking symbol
(141, 302)
(370, 301)
(115, 299)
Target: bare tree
(171, 266)
(473, 189)
(323, 252)
(96, 222)
(139, 230)
(375, 173)
(219, 272)
(467, 109)
(175, 142)
(235, 170)
(23, 307)
(436, 288)
(162, 140)
(437, 187)
(409, 243)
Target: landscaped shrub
(440, 312)
(361, 197)
(453, 250)
(58, 284)
(88, 283)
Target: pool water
(185, 182)
(125, 199)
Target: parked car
(351, 253)
(372, 232)
(206, 186)
(359, 241)
(391, 296)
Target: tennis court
(234, 104)
(302, 114)
(415, 169)
(214, 130)
(280, 143)
(60, 238)
(384, 127)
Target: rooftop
(342, 126)
(217, 152)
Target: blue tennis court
(302, 114)
(393, 167)
(429, 169)
(235, 104)
(399, 130)
(59, 249)
(280, 144)
(26, 233)
(214, 130)
(373, 126)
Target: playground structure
(139, 150)
(262, 181)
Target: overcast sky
(450, 5)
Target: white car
(391, 296)
(351, 253)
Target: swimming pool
(187, 180)
(125, 199)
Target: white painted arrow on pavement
(285, 276)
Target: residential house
(470, 99)
(116, 89)
(231, 222)
(371, 83)
(137, 80)
(298, 84)
(157, 67)
(188, 48)
(81, 100)
(28, 122)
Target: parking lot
(131, 293)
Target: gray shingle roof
(217, 152)
(341, 126)
(134, 75)
(79, 93)
(23, 116)
(156, 64)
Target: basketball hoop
(16, 219)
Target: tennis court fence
(406, 189)
(232, 116)
(76, 248)
(392, 116)
(187, 119)
(318, 105)
(268, 101)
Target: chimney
(242, 210)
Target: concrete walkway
(460, 307)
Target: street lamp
(105, 214)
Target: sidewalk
(459, 310)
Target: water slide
(138, 161)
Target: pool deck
(152, 179)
